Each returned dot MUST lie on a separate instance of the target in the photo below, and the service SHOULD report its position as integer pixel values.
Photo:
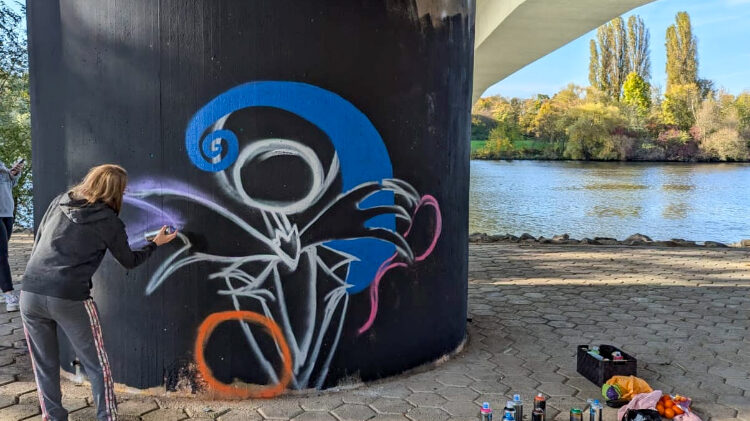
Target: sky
(721, 27)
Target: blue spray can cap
(486, 405)
(516, 398)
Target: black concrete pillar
(314, 156)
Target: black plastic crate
(597, 371)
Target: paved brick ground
(683, 312)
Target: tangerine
(668, 403)
(660, 408)
(677, 410)
(669, 413)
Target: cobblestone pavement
(684, 313)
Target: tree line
(621, 115)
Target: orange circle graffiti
(226, 390)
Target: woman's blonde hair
(104, 183)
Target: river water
(610, 199)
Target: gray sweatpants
(79, 320)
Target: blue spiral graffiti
(362, 153)
(213, 150)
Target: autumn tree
(682, 52)
(617, 51)
(498, 145)
(608, 65)
(681, 104)
(742, 104)
(528, 112)
(639, 60)
(590, 133)
(506, 116)
(637, 93)
(717, 129)
(553, 117)
(598, 77)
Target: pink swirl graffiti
(427, 200)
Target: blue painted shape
(210, 152)
(362, 154)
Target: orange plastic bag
(629, 386)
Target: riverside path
(683, 312)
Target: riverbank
(634, 161)
(639, 240)
(539, 150)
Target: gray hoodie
(70, 244)
(7, 182)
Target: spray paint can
(518, 405)
(595, 410)
(576, 414)
(485, 413)
(537, 414)
(540, 402)
(510, 410)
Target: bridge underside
(513, 33)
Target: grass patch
(529, 144)
(477, 144)
(526, 148)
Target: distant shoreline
(635, 240)
(646, 161)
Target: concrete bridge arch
(509, 34)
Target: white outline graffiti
(287, 252)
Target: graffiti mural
(348, 222)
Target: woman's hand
(163, 237)
(17, 168)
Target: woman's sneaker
(11, 301)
